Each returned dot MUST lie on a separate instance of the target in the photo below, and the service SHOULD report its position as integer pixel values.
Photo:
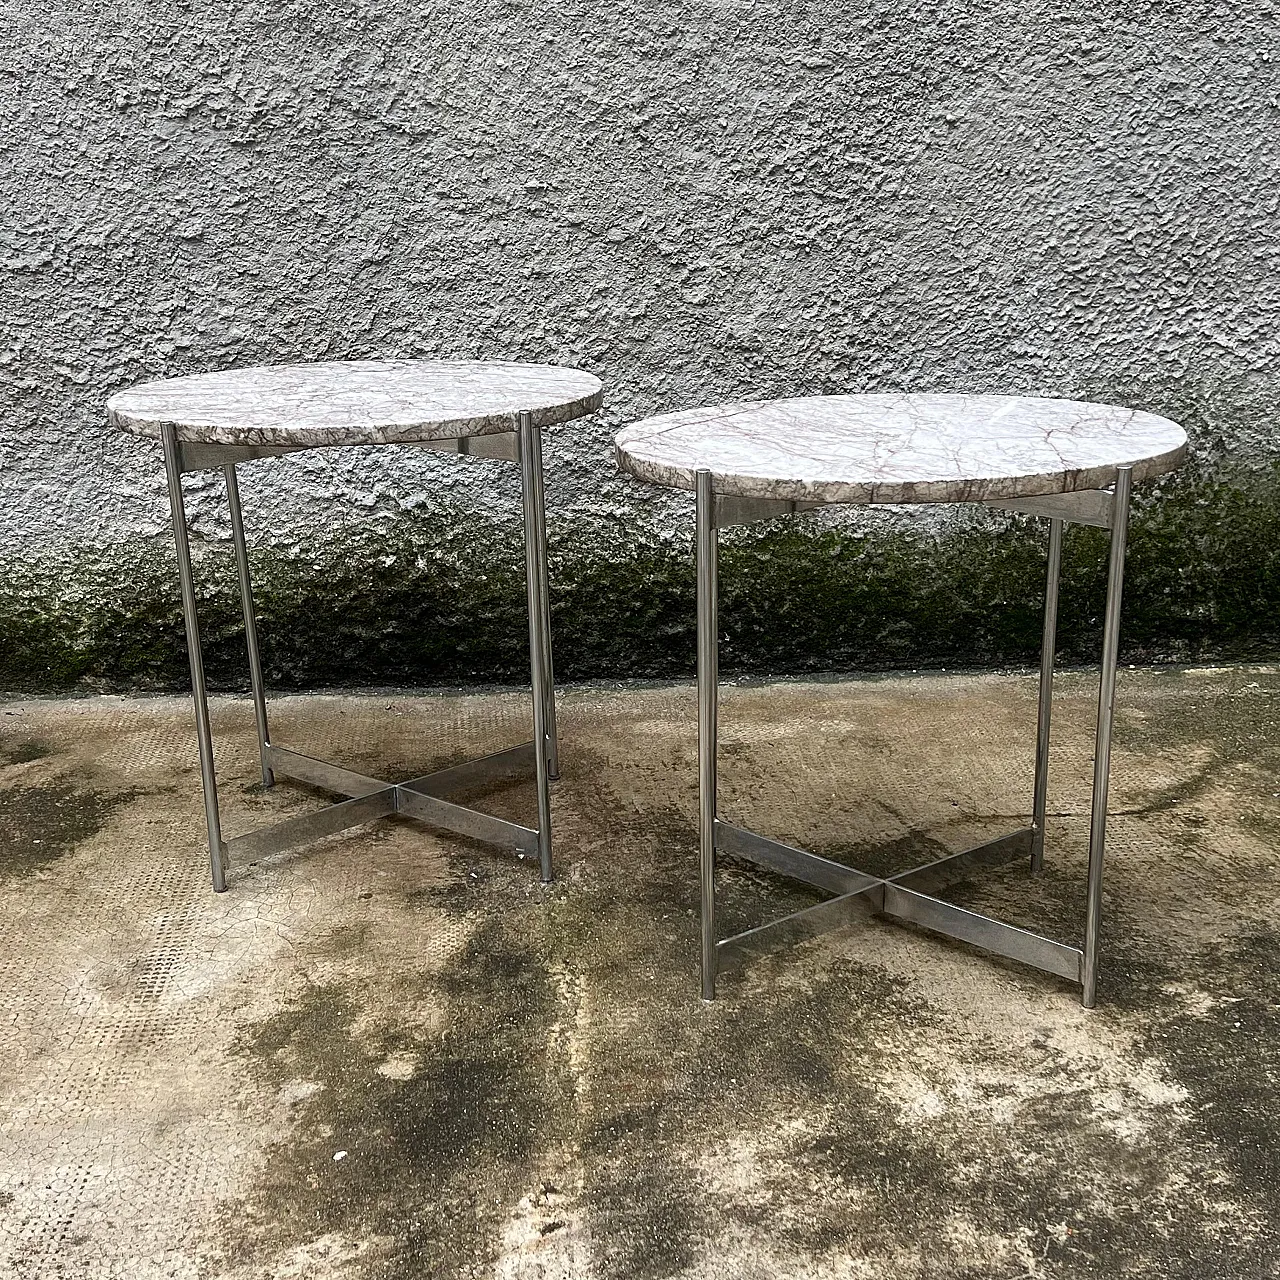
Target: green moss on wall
(419, 602)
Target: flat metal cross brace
(903, 897)
(371, 798)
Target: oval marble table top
(900, 448)
(355, 402)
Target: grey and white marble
(900, 448)
(355, 402)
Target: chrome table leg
(1047, 646)
(544, 612)
(204, 735)
(708, 678)
(530, 448)
(250, 624)
(1102, 749)
(421, 798)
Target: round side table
(1061, 459)
(492, 409)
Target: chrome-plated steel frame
(423, 798)
(909, 896)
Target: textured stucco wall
(721, 200)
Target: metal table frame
(908, 896)
(369, 798)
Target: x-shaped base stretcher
(905, 896)
(370, 798)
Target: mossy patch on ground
(41, 822)
(25, 751)
(431, 1155)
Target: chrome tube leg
(204, 734)
(1047, 646)
(1102, 749)
(250, 624)
(544, 613)
(530, 452)
(708, 679)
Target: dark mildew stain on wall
(421, 599)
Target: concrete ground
(395, 1054)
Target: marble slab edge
(899, 493)
(396, 433)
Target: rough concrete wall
(734, 199)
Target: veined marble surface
(355, 402)
(900, 448)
